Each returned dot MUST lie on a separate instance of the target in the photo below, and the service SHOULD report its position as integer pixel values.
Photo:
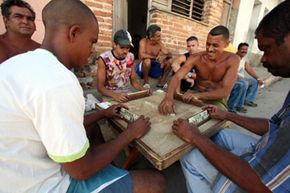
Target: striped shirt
(270, 157)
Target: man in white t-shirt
(245, 89)
(46, 144)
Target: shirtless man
(216, 73)
(18, 17)
(155, 60)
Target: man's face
(20, 21)
(215, 46)
(121, 51)
(276, 58)
(83, 45)
(242, 51)
(156, 37)
(192, 46)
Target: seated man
(46, 145)
(192, 48)
(245, 89)
(262, 166)
(216, 72)
(154, 58)
(18, 17)
(116, 69)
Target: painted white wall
(243, 21)
(250, 14)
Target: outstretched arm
(230, 165)
(258, 126)
(252, 73)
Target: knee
(147, 62)
(158, 183)
(192, 158)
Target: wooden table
(160, 145)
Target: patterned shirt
(118, 71)
(270, 157)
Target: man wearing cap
(155, 60)
(116, 69)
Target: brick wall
(176, 29)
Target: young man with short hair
(116, 69)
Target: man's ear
(5, 20)
(74, 32)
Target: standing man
(18, 17)
(245, 90)
(155, 60)
(192, 48)
(46, 145)
(216, 72)
(251, 165)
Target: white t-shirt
(241, 70)
(41, 114)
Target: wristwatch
(189, 74)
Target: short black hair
(5, 7)
(276, 23)
(220, 30)
(151, 30)
(192, 38)
(243, 44)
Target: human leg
(199, 173)
(146, 66)
(145, 181)
(237, 94)
(108, 180)
(252, 90)
(166, 71)
(234, 141)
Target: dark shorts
(123, 183)
(155, 70)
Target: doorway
(137, 22)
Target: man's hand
(185, 130)
(120, 97)
(188, 96)
(112, 110)
(214, 112)
(139, 127)
(166, 106)
(260, 82)
(149, 91)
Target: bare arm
(177, 62)
(142, 51)
(230, 165)
(134, 81)
(227, 83)
(99, 156)
(252, 73)
(258, 126)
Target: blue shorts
(155, 70)
(108, 180)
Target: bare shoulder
(232, 59)
(142, 41)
